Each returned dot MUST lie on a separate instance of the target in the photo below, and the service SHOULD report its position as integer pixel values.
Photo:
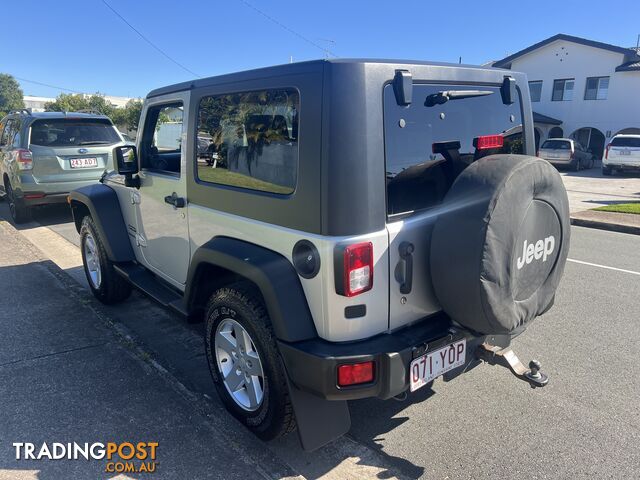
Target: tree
(10, 94)
(67, 102)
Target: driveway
(588, 189)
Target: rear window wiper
(446, 95)
(96, 142)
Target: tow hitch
(505, 357)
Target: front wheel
(245, 363)
(106, 285)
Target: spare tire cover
(499, 246)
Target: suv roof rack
(21, 110)
(92, 111)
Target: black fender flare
(102, 204)
(273, 274)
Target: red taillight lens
(358, 268)
(606, 152)
(355, 374)
(25, 159)
(486, 142)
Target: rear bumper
(312, 364)
(34, 193)
(622, 166)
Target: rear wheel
(19, 211)
(606, 171)
(244, 362)
(106, 285)
(578, 165)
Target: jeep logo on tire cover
(540, 250)
(535, 249)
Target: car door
(162, 231)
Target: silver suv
(43, 156)
(360, 229)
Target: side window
(16, 134)
(161, 146)
(249, 140)
(4, 138)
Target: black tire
(111, 288)
(607, 172)
(501, 242)
(20, 213)
(577, 166)
(242, 303)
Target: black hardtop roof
(296, 68)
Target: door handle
(406, 254)
(175, 200)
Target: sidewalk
(67, 376)
(616, 222)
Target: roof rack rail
(21, 110)
(92, 111)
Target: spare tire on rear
(499, 246)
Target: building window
(563, 90)
(535, 90)
(597, 88)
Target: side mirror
(126, 163)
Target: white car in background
(623, 153)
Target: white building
(36, 104)
(581, 89)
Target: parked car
(622, 154)
(565, 152)
(43, 156)
(389, 235)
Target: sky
(82, 45)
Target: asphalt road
(585, 424)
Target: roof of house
(629, 66)
(506, 62)
(540, 118)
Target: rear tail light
(486, 142)
(606, 152)
(25, 159)
(355, 374)
(358, 269)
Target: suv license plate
(84, 162)
(432, 365)
(625, 152)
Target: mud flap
(319, 421)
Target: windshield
(626, 142)
(557, 145)
(65, 132)
(429, 143)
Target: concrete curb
(601, 225)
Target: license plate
(84, 162)
(432, 365)
(625, 152)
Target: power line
(268, 17)
(149, 41)
(47, 85)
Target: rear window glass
(427, 147)
(626, 142)
(557, 145)
(72, 132)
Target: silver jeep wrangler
(356, 229)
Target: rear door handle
(406, 254)
(175, 200)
